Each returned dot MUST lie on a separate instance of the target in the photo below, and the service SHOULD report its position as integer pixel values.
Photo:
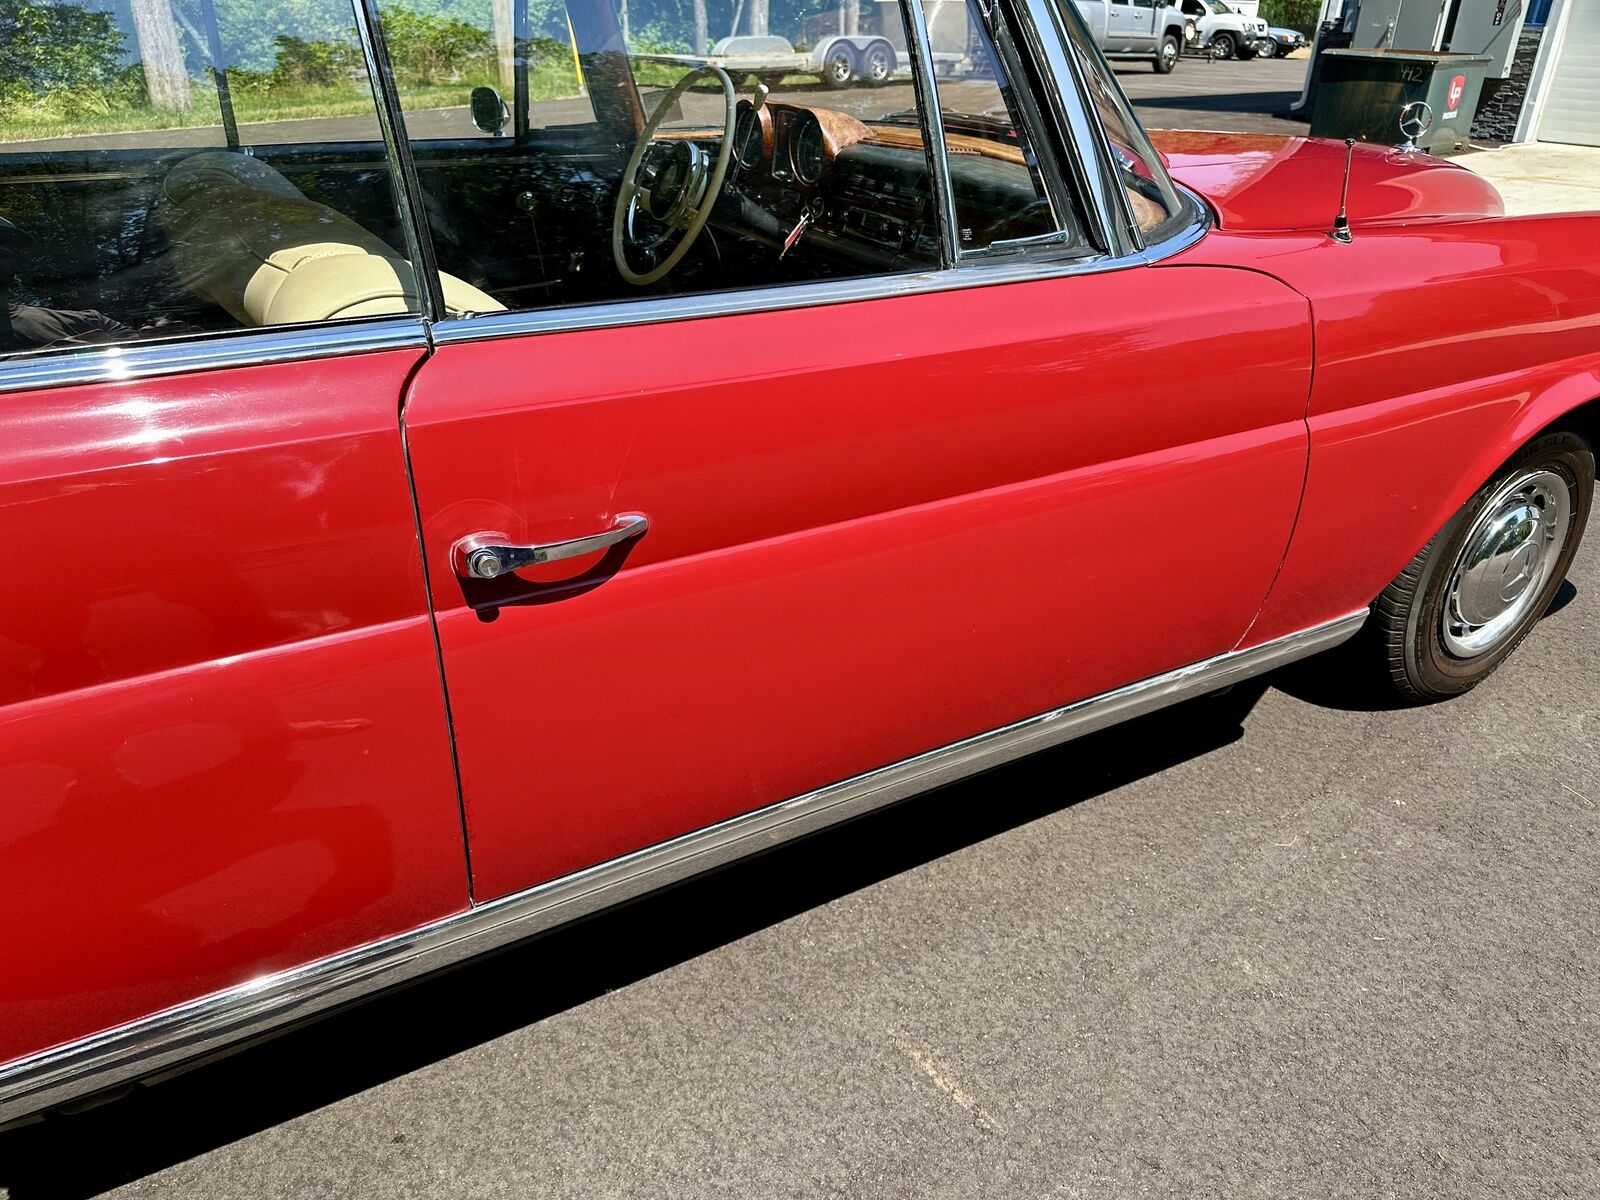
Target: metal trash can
(1360, 94)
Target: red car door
(847, 532)
(874, 529)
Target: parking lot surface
(1203, 94)
(1272, 943)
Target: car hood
(1266, 182)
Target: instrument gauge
(807, 151)
(749, 140)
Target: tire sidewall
(1223, 47)
(873, 51)
(1428, 666)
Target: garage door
(1572, 105)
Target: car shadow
(1230, 102)
(157, 1126)
(1338, 680)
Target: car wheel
(1223, 46)
(877, 64)
(1168, 58)
(1476, 590)
(839, 68)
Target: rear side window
(178, 167)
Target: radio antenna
(1341, 223)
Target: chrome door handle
(487, 556)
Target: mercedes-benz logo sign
(1416, 119)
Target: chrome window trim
(1097, 146)
(189, 1031)
(233, 348)
(404, 185)
(982, 271)
(926, 78)
(1078, 122)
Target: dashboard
(861, 192)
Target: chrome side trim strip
(242, 348)
(250, 1009)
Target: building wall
(1501, 104)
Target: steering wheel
(675, 182)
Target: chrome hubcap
(1169, 51)
(1506, 562)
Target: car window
(616, 186)
(1153, 202)
(180, 168)
(482, 68)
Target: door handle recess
(488, 555)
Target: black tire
(1415, 626)
(1167, 58)
(877, 64)
(1247, 52)
(1223, 46)
(839, 67)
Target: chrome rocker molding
(191, 1031)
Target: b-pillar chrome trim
(192, 1030)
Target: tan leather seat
(250, 241)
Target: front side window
(1153, 202)
(671, 147)
(179, 167)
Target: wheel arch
(1369, 557)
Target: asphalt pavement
(1276, 943)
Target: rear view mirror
(488, 111)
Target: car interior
(737, 184)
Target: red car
(430, 522)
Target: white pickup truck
(1227, 33)
(1145, 30)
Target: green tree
(50, 49)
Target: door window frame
(1070, 138)
(1033, 51)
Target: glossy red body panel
(222, 737)
(876, 528)
(1439, 353)
(1261, 182)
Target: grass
(52, 118)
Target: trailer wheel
(839, 67)
(877, 63)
